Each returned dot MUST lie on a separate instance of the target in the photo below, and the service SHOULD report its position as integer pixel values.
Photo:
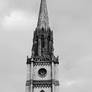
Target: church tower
(41, 66)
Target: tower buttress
(41, 65)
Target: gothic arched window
(36, 46)
(42, 41)
(42, 91)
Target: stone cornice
(55, 82)
(42, 63)
(43, 83)
(43, 59)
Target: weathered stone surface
(41, 76)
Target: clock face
(42, 72)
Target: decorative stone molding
(28, 60)
(42, 63)
(55, 82)
(43, 60)
(43, 83)
(29, 82)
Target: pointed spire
(43, 20)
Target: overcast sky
(71, 21)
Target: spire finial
(43, 20)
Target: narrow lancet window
(42, 41)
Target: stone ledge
(42, 83)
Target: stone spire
(43, 20)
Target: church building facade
(41, 66)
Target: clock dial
(42, 72)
